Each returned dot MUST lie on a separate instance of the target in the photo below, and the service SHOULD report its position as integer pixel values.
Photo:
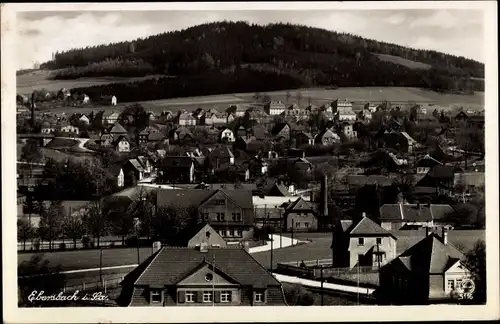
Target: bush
(111, 244)
(86, 242)
(36, 245)
(62, 246)
(297, 295)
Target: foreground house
(429, 271)
(201, 277)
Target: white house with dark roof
(228, 135)
(425, 164)
(433, 270)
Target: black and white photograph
(251, 157)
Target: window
(190, 296)
(297, 224)
(220, 202)
(220, 217)
(451, 284)
(236, 216)
(156, 296)
(207, 296)
(459, 283)
(259, 297)
(225, 296)
(379, 240)
(306, 224)
(361, 241)
(209, 277)
(238, 233)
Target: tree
(95, 221)
(73, 228)
(171, 223)
(298, 96)
(51, 220)
(297, 295)
(31, 152)
(25, 231)
(38, 275)
(476, 261)
(288, 96)
(122, 224)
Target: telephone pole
(322, 291)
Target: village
(385, 197)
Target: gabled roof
(222, 151)
(136, 164)
(299, 204)
(366, 226)
(428, 161)
(119, 139)
(414, 212)
(170, 265)
(195, 197)
(442, 172)
(118, 129)
(430, 256)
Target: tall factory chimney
(324, 195)
(33, 110)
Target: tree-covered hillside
(311, 56)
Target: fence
(61, 245)
(89, 286)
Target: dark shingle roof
(362, 180)
(430, 255)
(176, 161)
(195, 197)
(368, 227)
(428, 161)
(413, 212)
(171, 265)
(118, 129)
(442, 172)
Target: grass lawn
(62, 143)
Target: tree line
(309, 56)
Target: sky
(458, 31)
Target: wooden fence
(103, 286)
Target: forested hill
(310, 56)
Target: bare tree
(51, 221)
(25, 231)
(94, 221)
(73, 228)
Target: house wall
(121, 179)
(214, 239)
(455, 274)
(228, 134)
(388, 245)
(300, 220)
(123, 146)
(436, 286)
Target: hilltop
(226, 57)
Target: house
(147, 164)
(186, 119)
(304, 138)
(400, 141)
(370, 245)
(282, 132)
(221, 156)
(85, 99)
(134, 172)
(236, 110)
(121, 144)
(181, 134)
(117, 130)
(149, 134)
(344, 111)
(440, 177)
(208, 236)
(229, 212)
(110, 118)
(84, 119)
(233, 173)
(348, 131)
(430, 271)
(227, 135)
(301, 215)
(213, 117)
(47, 128)
(116, 171)
(396, 216)
(114, 101)
(425, 164)
(274, 108)
(106, 139)
(256, 116)
(176, 169)
(327, 137)
(461, 116)
(70, 129)
(469, 180)
(204, 276)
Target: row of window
(226, 296)
(299, 224)
(454, 283)
(230, 233)
(221, 217)
(361, 241)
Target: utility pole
(271, 263)
(322, 291)
(292, 231)
(100, 266)
(358, 280)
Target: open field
(318, 96)
(28, 82)
(402, 61)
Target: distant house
(396, 216)
(181, 134)
(106, 139)
(84, 119)
(213, 117)
(227, 135)
(348, 131)
(256, 116)
(206, 276)
(274, 108)
(344, 111)
(327, 137)
(440, 177)
(207, 236)
(114, 101)
(117, 130)
(121, 144)
(301, 215)
(149, 134)
(370, 245)
(425, 164)
(110, 118)
(236, 110)
(282, 131)
(469, 180)
(176, 169)
(400, 141)
(430, 271)
(70, 129)
(47, 128)
(134, 172)
(304, 138)
(221, 156)
(186, 119)
(151, 115)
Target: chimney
(324, 190)
(427, 230)
(156, 246)
(363, 214)
(444, 236)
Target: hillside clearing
(402, 61)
